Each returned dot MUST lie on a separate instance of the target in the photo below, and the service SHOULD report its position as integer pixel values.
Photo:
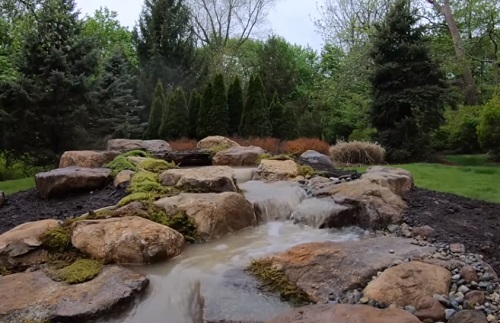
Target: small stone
(449, 312)
(491, 318)
(458, 297)
(392, 228)
(456, 277)
(391, 251)
(410, 309)
(364, 300)
(463, 289)
(457, 248)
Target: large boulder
(206, 179)
(34, 297)
(66, 180)
(329, 269)
(189, 158)
(316, 160)
(211, 142)
(214, 215)
(156, 147)
(276, 170)
(324, 213)
(129, 239)
(376, 206)
(238, 156)
(25, 237)
(343, 313)
(411, 284)
(398, 180)
(86, 158)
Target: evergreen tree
(194, 109)
(175, 120)
(309, 125)
(219, 114)
(289, 129)
(119, 109)
(203, 128)
(276, 115)
(409, 89)
(49, 104)
(156, 113)
(255, 120)
(235, 105)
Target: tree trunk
(469, 85)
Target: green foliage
(216, 116)
(255, 119)
(309, 125)
(289, 126)
(203, 127)
(57, 239)
(156, 113)
(235, 105)
(276, 281)
(147, 182)
(121, 163)
(141, 196)
(156, 165)
(306, 171)
(194, 109)
(459, 133)
(80, 271)
(409, 89)
(137, 153)
(488, 130)
(276, 116)
(175, 119)
(17, 185)
(364, 134)
(180, 222)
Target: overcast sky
(292, 19)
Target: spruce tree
(175, 120)
(235, 105)
(409, 89)
(289, 129)
(156, 113)
(276, 115)
(255, 120)
(194, 109)
(203, 128)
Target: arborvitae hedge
(276, 115)
(194, 109)
(175, 121)
(235, 105)
(255, 120)
(156, 113)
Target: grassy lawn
(9, 187)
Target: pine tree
(276, 115)
(194, 109)
(255, 120)
(120, 110)
(156, 113)
(175, 120)
(309, 125)
(409, 89)
(235, 105)
(203, 129)
(289, 129)
(219, 113)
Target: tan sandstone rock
(86, 158)
(126, 240)
(238, 156)
(343, 313)
(408, 284)
(123, 178)
(206, 179)
(398, 180)
(276, 170)
(216, 141)
(156, 147)
(25, 237)
(377, 206)
(215, 215)
(335, 267)
(34, 297)
(60, 181)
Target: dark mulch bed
(474, 223)
(27, 206)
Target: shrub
(488, 130)
(459, 132)
(364, 134)
(298, 146)
(357, 152)
(183, 144)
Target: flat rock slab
(327, 269)
(203, 180)
(62, 181)
(238, 156)
(34, 297)
(343, 313)
(86, 158)
(216, 141)
(156, 147)
(276, 170)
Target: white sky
(291, 19)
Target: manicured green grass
(470, 160)
(478, 182)
(9, 187)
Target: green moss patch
(215, 149)
(57, 239)
(120, 163)
(137, 153)
(80, 271)
(138, 197)
(148, 182)
(156, 165)
(276, 281)
(4, 271)
(180, 222)
(306, 171)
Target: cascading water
(208, 280)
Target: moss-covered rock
(179, 221)
(57, 239)
(306, 171)
(119, 164)
(275, 157)
(276, 281)
(138, 197)
(80, 271)
(148, 182)
(155, 165)
(137, 153)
